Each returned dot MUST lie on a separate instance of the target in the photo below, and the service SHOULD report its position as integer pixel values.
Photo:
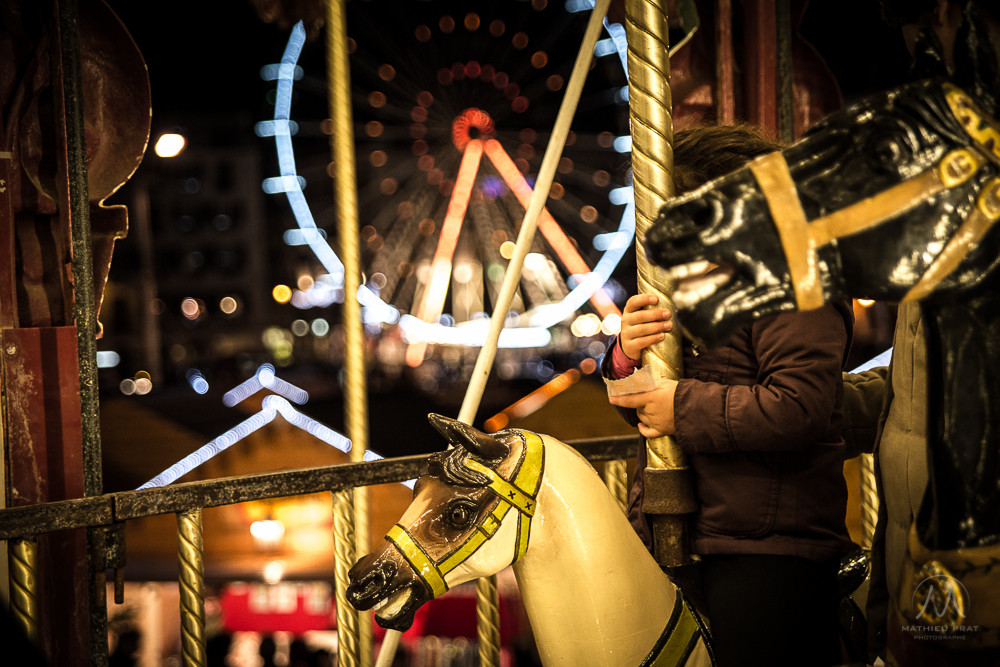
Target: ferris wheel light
(269, 128)
(605, 47)
(586, 325)
(280, 71)
(612, 241)
(589, 285)
(170, 144)
(276, 184)
(623, 144)
(622, 195)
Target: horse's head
(470, 517)
(892, 198)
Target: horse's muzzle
(369, 583)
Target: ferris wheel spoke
(432, 301)
(550, 229)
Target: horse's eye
(894, 148)
(460, 514)
(888, 152)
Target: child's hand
(642, 326)
(655, 408)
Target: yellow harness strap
(800, 238)
(678, 639)
(418, 560)
(519, 494)
(981, 129)
(967, 237)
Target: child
(760, 422)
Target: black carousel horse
(894, 198)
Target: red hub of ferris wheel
(472, 124)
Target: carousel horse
(593, 594)
(893, 198)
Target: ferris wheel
(452, 108)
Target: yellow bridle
(800, 238)
(519, 493)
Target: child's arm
(655, 409)
(642, 326)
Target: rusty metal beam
(107, 509)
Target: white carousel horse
(593, 594)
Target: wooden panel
(43, 411)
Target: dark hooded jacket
(760, 420)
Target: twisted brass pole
(23, 590)
(192, 587)
(869, 499)
(356, 391)
(347, 617)
(488, 620)
(616, 479)
(668, 493)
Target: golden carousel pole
(668, 494)
(869, 499)
(351, 529)
(23, 585)
(190, 549)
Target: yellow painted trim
(775, 181)
(420, 561)
(528, 475)
(980, 127)
(677, 641)
(800, 238)
(968, 236)
(476, 539)
(507, 491)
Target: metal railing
(107, 515)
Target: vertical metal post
(23, 593)
(488, 620)
(84, 308)
(869, 499)
(725, 64)
(356, 389)
(190, 551)
(347, 617)
(83, 260)
(616, 479)
(668, 491)
(786, 106)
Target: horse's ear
(459, 434)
